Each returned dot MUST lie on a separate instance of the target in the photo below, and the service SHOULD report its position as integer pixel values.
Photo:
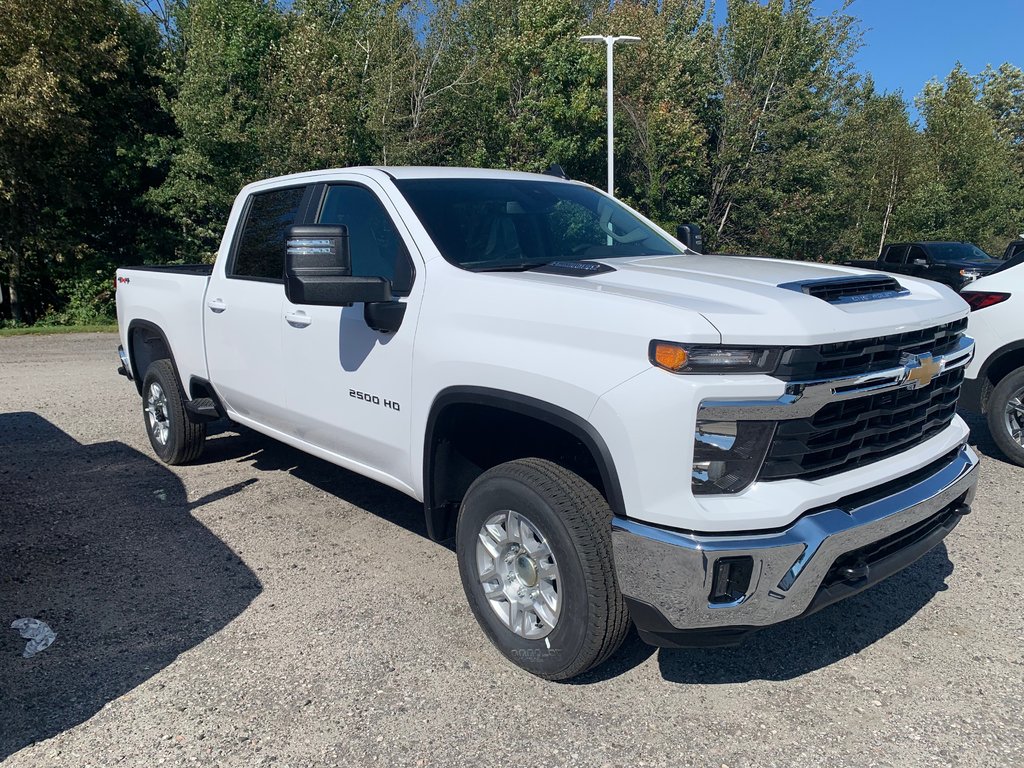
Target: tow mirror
(318, 270)
(689, 235)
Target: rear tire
(1006, 416)
(535, 556)
(175, 438)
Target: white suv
(995, 378)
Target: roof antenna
(556, 170)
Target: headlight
(970, 274)
(687, 358)
(727, 455)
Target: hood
(982, 265)
(743, 299)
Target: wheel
(1006, 416)
(175, 438)
(535, 554)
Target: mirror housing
(690, 236)
(920, 262)
(318, 270)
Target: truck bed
(175, 269)
(167, 300)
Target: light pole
(610, 41)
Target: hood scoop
(574, 268)
(847, 290)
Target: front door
(243, 310)
(353, 397)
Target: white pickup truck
(539, 365)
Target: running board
(202, 409)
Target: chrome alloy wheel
(156, 413)
(1013, 417)
(519, 574)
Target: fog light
(731, 580)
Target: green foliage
(78, 106)
(87, 300)
(127, 127)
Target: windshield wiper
(522, 266)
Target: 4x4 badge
(919, 370)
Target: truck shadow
(775, 653)
(981, 438)
(98, 541)
(789, 650)
(237, 443)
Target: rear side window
(260, 253)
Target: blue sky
(908, 42)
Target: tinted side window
(261, 250)
(916, 253)
(376, 247)
(894, 254)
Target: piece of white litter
(38, 634)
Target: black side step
(202, 409)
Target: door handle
(298, 319)
(217, 305)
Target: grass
(48, 329)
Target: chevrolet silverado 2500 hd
(540, 365)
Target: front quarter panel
(565, 348)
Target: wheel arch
(996, 367)
(453, 457)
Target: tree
(78, 102)
(785, 82)
(665, 92)
(218, 72)
(878, 152)
(971, 189)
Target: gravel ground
(266, 608)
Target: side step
(202, 409)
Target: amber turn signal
(672, 357)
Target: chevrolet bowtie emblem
(919, 370)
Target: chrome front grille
(848, 434)
(851, 358)
(893, 393)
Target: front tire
(535, 556)
(1006, 416)
(175, 438)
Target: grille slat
(852, 358)
(847, 434)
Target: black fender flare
(150, 327)
(559, 417)
(976, 391)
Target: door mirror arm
(384, 316)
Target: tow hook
(855, 573)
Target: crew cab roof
(401, 172)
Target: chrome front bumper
(667, 575)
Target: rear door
(893, 259)
(244, 306)
(353, 388)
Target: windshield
(956, 252)
(492, 224)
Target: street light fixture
(610, 41)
